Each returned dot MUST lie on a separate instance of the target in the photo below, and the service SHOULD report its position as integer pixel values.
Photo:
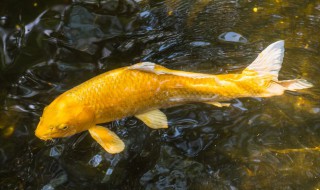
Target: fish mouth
(48, 135)
(51, 134)
(43, 136)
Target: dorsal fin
(269, 61)
(158, 69)
(144, 66)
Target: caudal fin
(269, 61)
(295, 84)
(268, 65)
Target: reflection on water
(255, 143)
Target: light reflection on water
(256, 143)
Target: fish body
(129, 91)
(142, 89)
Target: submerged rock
(232, 37)
(199, 44)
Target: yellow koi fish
(142, 89)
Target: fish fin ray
(218, 104)
(269, 61)
(274, 89)
(154, 119)
(295, 84)
(278, 87)
(107, 139)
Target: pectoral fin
(218, 104)
(154, 119)
(107, 139)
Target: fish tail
(268, 65)
(269, 61)
(295, 84)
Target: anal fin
(107, 139)
(154, 119)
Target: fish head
(64, 117)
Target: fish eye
(63, 127)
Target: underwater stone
(96, 160)
(56, 151)
(3, 20)
(199, 44)
(232, 37)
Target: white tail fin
(296, 84)
(269, 63)
(269, 60)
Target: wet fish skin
(142, 89)
(126, 92)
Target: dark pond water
(256, 143)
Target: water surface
(256, 143)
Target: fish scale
(127, 92)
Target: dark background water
(47, 47)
